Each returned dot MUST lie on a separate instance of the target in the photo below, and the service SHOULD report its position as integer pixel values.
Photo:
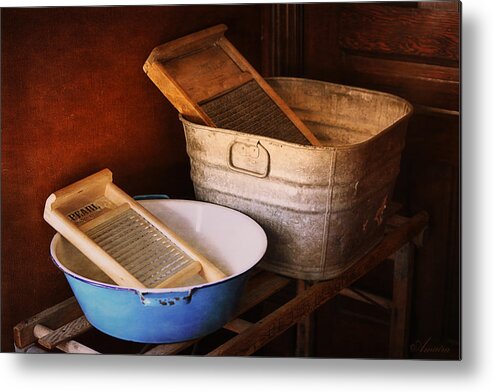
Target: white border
(474, 373)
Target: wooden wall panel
(410, 50)
(421, 84)
(75, 100)
(322, 57)
(423, 34)
(283, 40)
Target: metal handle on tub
(249, 158)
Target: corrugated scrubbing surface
(249, 109)
(139, 247)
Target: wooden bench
(54, 329)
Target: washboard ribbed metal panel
(139, 247)
(249, 109)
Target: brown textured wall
(75, 100)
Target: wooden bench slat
(52, 317)
(70, 346)
(238, 325)
(259, 288)
(369, 298)
(170, 348)
(65, 332)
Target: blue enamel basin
(235, 242)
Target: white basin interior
(230, 239)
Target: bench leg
(401, 301)
(304, 329)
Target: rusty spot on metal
(380, 211)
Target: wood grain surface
(414, 32)
(410, 50)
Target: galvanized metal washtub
(321, 207)
(234, 241)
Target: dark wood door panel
(434, 137)
(432, 187)
(410, 50)
(422, 84)
(427, 35)
(322, 54)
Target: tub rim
(348, 146)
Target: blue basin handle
(157, 196)
(165, 299)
